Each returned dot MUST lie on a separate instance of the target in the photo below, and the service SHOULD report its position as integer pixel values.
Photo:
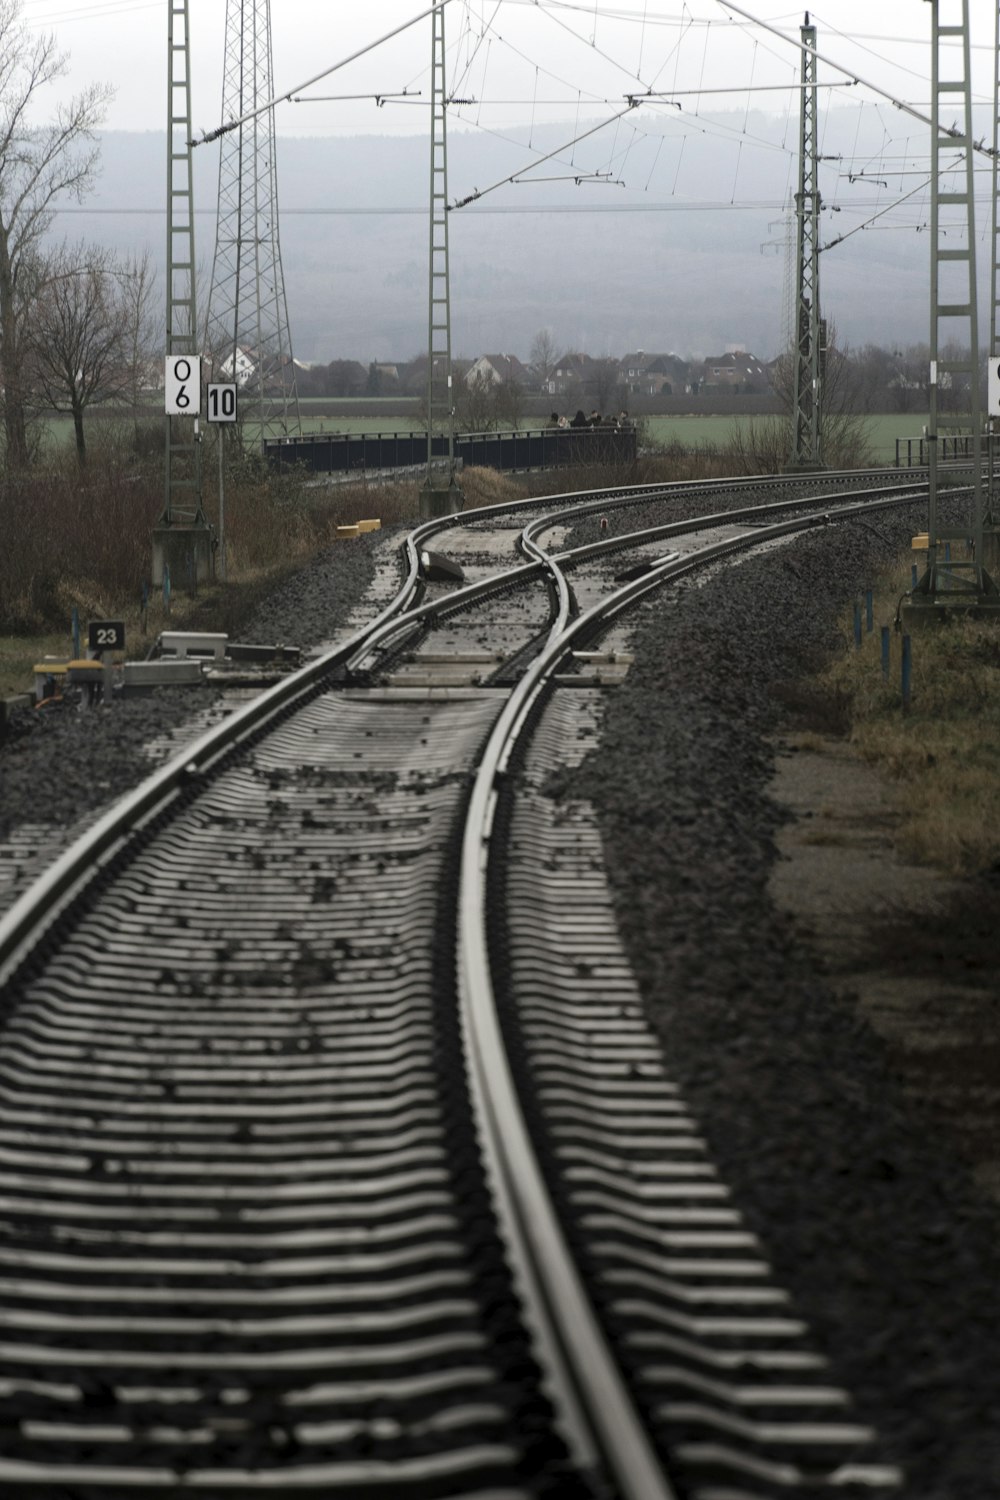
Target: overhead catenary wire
(229, 125)
(900, 104)
(478, 193)
(738, 88)
(880, 214)
(646, 97)
(683, 205)
(379, 99)
(593, 46)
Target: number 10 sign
(221, 403)
(182, 387)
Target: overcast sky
(514, 65)
(519, 60)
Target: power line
(897, 103)
(768, 205)
(230, 125)
(476, 194)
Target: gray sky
(524, 64)
(521, 60)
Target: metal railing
(959, 445)
(543, 448)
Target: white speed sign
(182, 385)
(993, 388)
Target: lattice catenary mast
(807, 329)
(993, 499)
(247, 335)
(182, 540)
(439, 494)
(958, 581)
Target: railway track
(336, 1154)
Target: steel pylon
(182, 469)
(806, 332)
(958, 580)
(440, 493)
(247, 335)
(993, 437)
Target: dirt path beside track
(914, 949)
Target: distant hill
(653, 274)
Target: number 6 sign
(182, 385)
(993, 388)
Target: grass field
(695, 431)
(690, 431)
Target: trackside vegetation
(943, 754)
(79, 537)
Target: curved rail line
(598, 1414)
(21, 927)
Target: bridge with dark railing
(375, 452)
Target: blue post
(913, 575)
(947, 552)
(857, 623)
(76, 633)
(885, 650)
(869, 611)
(907, 673)
(166, 588)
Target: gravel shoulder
(913, 950)
(872, 1209)
(59, 767)
(872, 1215)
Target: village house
(240, 366)
(736, 370)
(644, 374)
(496, 368)
(572, 374)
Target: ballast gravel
(864, 1210)
(59, 764)
(868, 1217)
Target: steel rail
(566, 1311)
(636, 492)
(532, 548)
(588, 501)
(23, 926)
(398, 627)
(534, 528)
(598, 1407)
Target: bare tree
(543, 356)
(86, 341)
(603, 385)
(143, 322)
(763, 445)
(846, 438)
(39, 164)
(508, 403)
(475, 407)
(875, 368)
(485, 404)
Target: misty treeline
(868, 379)
(77, 321)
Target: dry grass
(490, 487)
(84, 540)
(944, 755)
(809, 740)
